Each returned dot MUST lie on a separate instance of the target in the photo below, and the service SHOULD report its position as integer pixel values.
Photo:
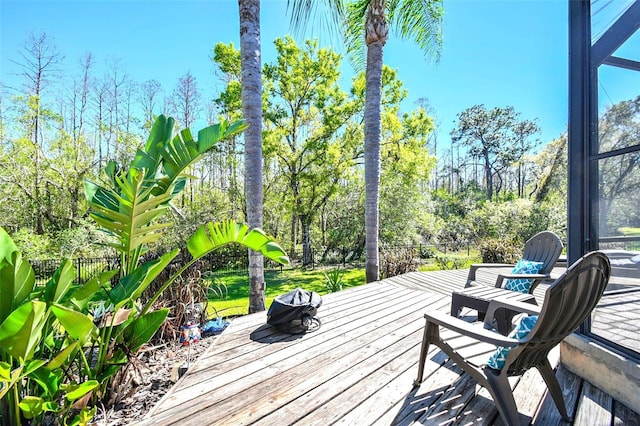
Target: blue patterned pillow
(523, 328)
(523, 266)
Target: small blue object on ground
(214, 326)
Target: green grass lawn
(629, 231)
(235, 287)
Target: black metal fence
(86, 268)
(225, 260)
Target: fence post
(78, 274)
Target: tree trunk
(376, 34)
(249, 11)
(487, 175)
(306, 241)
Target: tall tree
(229, 105)
(524, 143)
(186, 100)
(250, 53)
(39, 62)
(497, 137)
(305, 109)
(147, 96)
(100, 101)
(419, 21)
(78, 155)
(117, 78)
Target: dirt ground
(153, 381)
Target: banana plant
(43, 332)
(40, 335)
(136, 197)
(46, 332)
(131, 207)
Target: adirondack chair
(568, 302)
(543, 247)
(541, 252)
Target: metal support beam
(622, 63)
(579, 131)
(616, 35)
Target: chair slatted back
(543, 247)
(568, 301)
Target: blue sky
(497, 53)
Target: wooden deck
(358, 369)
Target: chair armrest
(502, 277)
(463, 327)
(474, 268)
(513, 305)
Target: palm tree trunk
(376, 30)
(372, 135)
(252, 111)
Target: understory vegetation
(495, 180)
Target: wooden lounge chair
(567, 303)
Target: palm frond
(420, 21)
(329, 14)
(354, 33)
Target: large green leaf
(127, 211)
(182, 151)
(61, 357)
(76, 324)
(21, 332)
(214, 235)
(17, 278)
(49, 380)
(142, 329)
(31, 406)
(149, 159)
(98, 196)
(132, 285)
(77, 391)
(5, 371)
(59, 283)
(9, 377)
(83, 295)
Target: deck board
(357, 369)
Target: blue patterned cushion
(523, 328)
(523, 266)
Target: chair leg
(455, 307)
(430, 330)
(503, 321)
(503, 396)
(554, 388)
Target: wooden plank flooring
(358, 369)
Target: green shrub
(398, 261)
(495, 250)
(334, 280)
(427, 252)
(31, 245)
(451, 261)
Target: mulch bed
(153, 381)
